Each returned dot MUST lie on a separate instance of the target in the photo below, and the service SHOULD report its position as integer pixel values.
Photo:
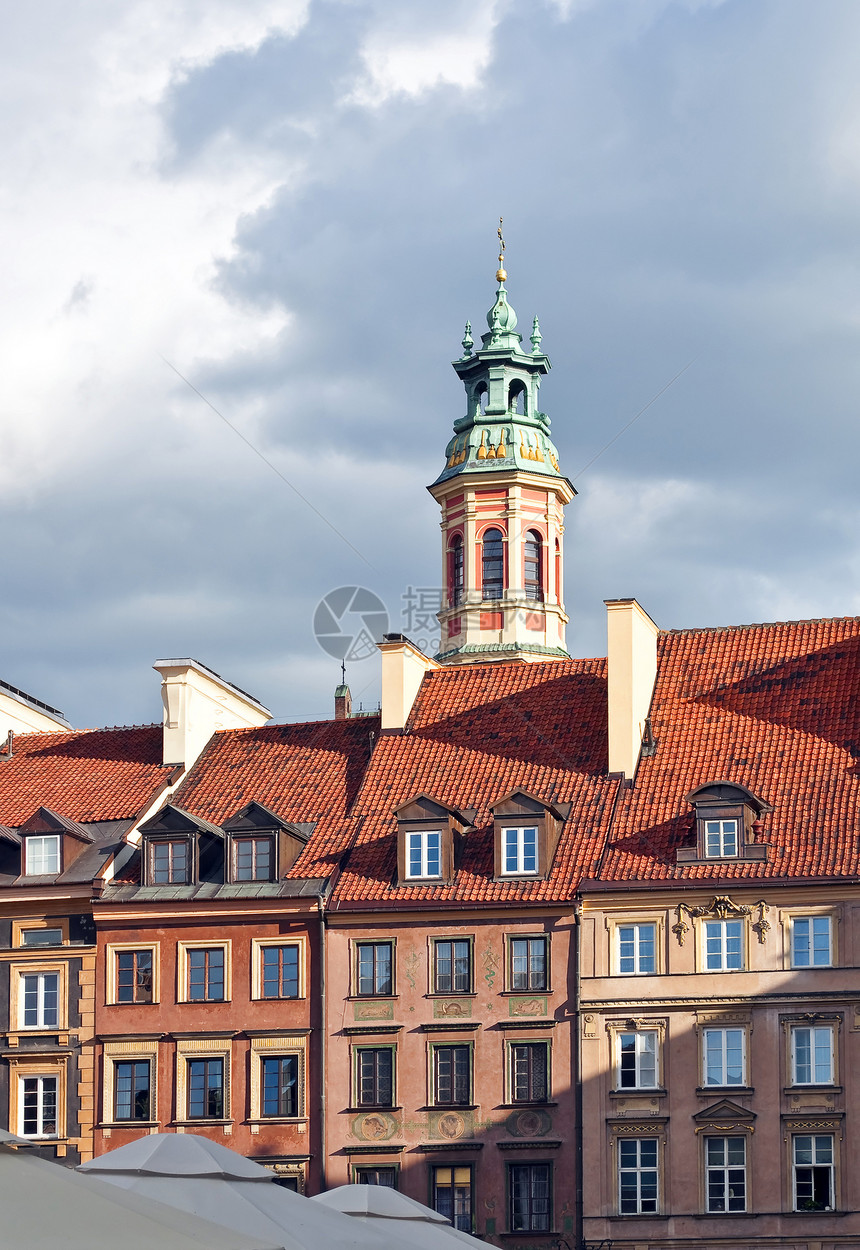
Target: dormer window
(526, 834)
(252, 859)
(168, 862)
(42, 855)
(726, 819)
(262, 846)
(428, 833)
(520, 853)
(424, 854)
(181, 849)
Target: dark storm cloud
(679, 183)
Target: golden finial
(500, 272)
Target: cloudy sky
(293, 205)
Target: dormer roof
(44, 821)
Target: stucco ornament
(722, 908)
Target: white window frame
(258, 945)
(421, 836)
(636, 926)
(183, 971)
(640, 1051)
(724, 1169)
(112, 951)
(519, 832)
(722, 834)
(40, 974)
(639, 1171)
(811, 920)
(42, 839)
(813, 1029)
(722, 926)
(813, 1138)
(721, 1031)
(40, 1078)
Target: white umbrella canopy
(376, 1206)
(44, 1205)
(210, 1180)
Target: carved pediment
(725, 1114)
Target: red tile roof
(303, 773)
(98, 774)
(477, 733)
(775, 708)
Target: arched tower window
(533, 566)
(517, 398)
(481, 396)
(493, 565)
(455, 570)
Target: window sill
(277, 1119)
(202, 1120)
(709, 1091)
(451, 1106)
(451, 994)
(545, 989)
(129, 1124)
(812, 1089)
(150, 1002)
(370, 1107)
(371, 998)
(627, 1092)
(530, 1233)
(201, 1002)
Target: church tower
(502, 497)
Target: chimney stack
(403, 669)
(631, 673)
(197, 703)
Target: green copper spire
(503, 427)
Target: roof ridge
(717, 629)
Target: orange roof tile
(96, 774)
(775, 708)
(476, 733)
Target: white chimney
(197, 703)
(632, 671)
(20, 713)
(403, 669)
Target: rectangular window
(637, 1176)
(452, 967)
(726, 1173)
(530, 1197)
(41, 937)
(40, 1000)
(528, 964)
(168, 863)
(280, 1086)
(134, 976)
(38, 1116)
(424, 854)
(132, 1090)
(519, 851)
(723, 1052)
(721, 839)
(279, 971)
(812, 1055)
(205, 1089)
(637, 949)
(637, 1059)
(205, 974)
(529, 1072)
(42, 855)
(452, 1195)
(252, 859)
(375, 1077)
(452, 1075)
(373, 967)
(812, 1165)
(811, 945)
(376, 1176)
(724, 945)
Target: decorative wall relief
(451, 1125)
(452, 1008)
(721, 907)
(374, 1009)
(531, 1123)
(374, 1126)
(490, 961)
(410, 967)
(536, 1005)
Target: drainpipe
(578, 1222)
(323, 1039)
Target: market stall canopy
(378, 1206)
(45, 1205)
(193, 1174)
